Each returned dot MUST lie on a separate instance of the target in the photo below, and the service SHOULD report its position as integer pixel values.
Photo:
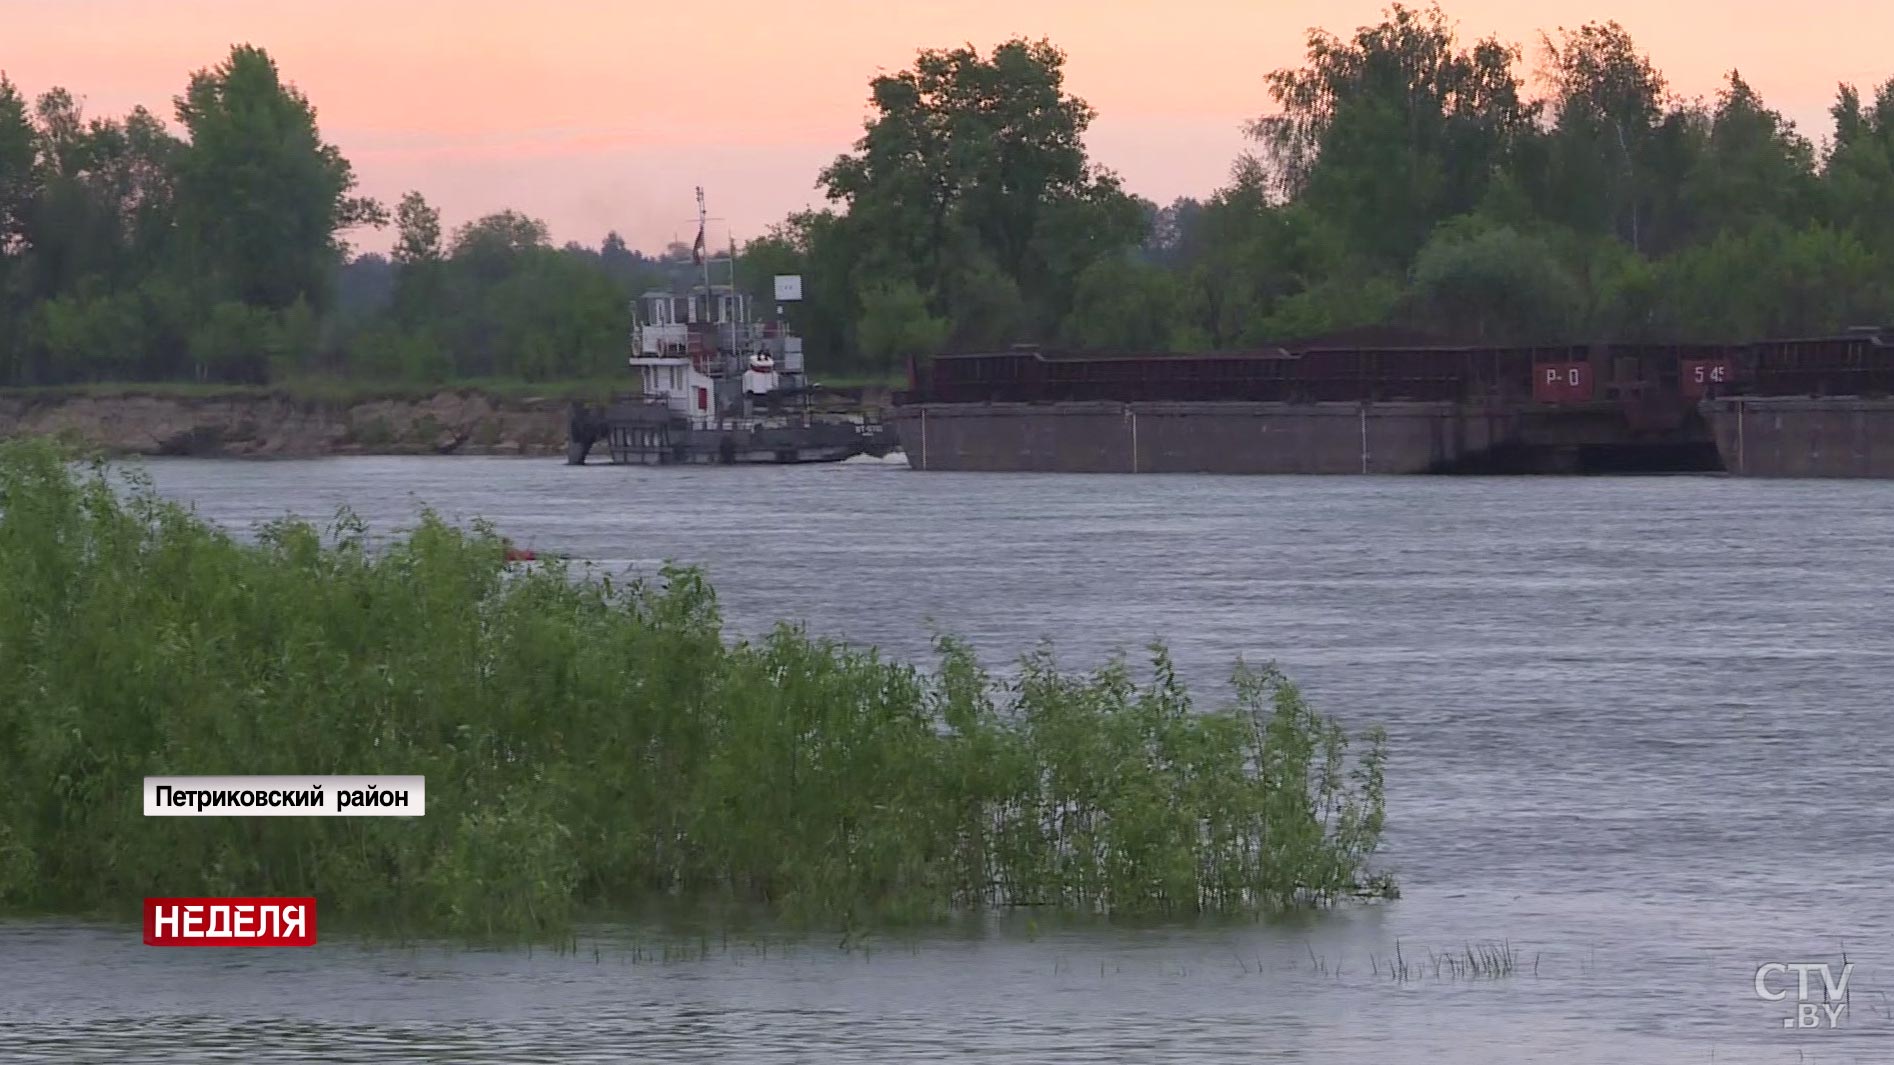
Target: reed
(1489, 960)
(595, 746)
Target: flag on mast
(697, 249)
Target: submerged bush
(591, 746)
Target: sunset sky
(603, 114)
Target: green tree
(1858, 178)
(1332, 305)
(103, 207)
(17, 192)
(896, 324)
(972, 180)
(1253, 256)
(556, 318)
(498, 301)
(234, 343)
(491, 247)
(417, 258)
(94, 224)
(418, 231)
(1174, 234)
(1494, 285)
(1394, 129)
(96, 337)
(632, 272)
(262, 198)
(66, 226)
(17, 156)
(1608, 121)
(986, 308)
(1124, 304)
(1771, 281)
(1755, 166)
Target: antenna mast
(704, 255)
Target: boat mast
(703, 255)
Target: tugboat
(716, 386)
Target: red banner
(230, 922)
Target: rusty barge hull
(1814, 407)
(1286, 438)
(1799, 436)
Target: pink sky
(603, 114)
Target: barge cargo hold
(1331, 410)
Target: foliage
(897, 323)
(1601, 157)
(1395, 129)
(594, 746)
(1858, 181)
(1771, 281)
(260, 196)
(1123, 303)
(971, 184)
(1495, 285)
(1404, 176)
(1608, 209)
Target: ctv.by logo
(1771, 986)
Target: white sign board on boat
(788, 288)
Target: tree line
(130, 253)
(1403, 181)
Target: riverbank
(281, 424)
(321, 418)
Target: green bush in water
(593, 747)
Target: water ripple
(1640, 728)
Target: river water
(1641, 731)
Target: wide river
(1642, 730)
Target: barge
(1819, 407)
(1809, 408)
(716, 385)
